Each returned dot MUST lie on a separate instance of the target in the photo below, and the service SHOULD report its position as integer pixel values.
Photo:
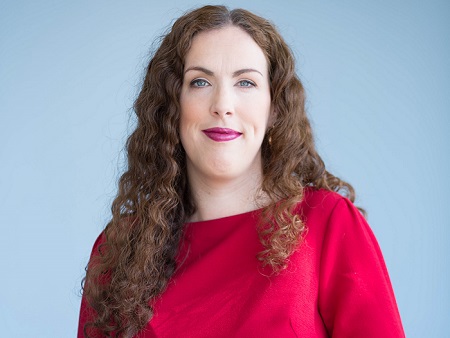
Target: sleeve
(356, 298)
(86, 312)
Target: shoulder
(328, 214)
(350, 268)
(112, 234)
(338, 231)
(101, 239)
(314, 197)
(324, 203)
(98, 248)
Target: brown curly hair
(137, 258)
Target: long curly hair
(138, 255)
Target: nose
(222, 104)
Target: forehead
(227, 47)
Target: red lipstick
(221, 134)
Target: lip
(221, 134)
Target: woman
(226, 223)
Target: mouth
(221, 134)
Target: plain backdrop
(377, 79)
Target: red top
(336, 284)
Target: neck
(216, 199)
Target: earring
(269, 138)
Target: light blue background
(377, 78)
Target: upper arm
(356, 298)
(86, 312)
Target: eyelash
(251, 83)
(194, 83)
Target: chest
(220, 290)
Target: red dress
(336, 283)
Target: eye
(199, 83)
(246, 83)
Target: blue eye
(246, 83)
(199, 83)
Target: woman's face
(225, 105)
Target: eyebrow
(235, 74)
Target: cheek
(186, 111)
(188, 120)
(190, 108)
(258, 114)
(184, 127)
